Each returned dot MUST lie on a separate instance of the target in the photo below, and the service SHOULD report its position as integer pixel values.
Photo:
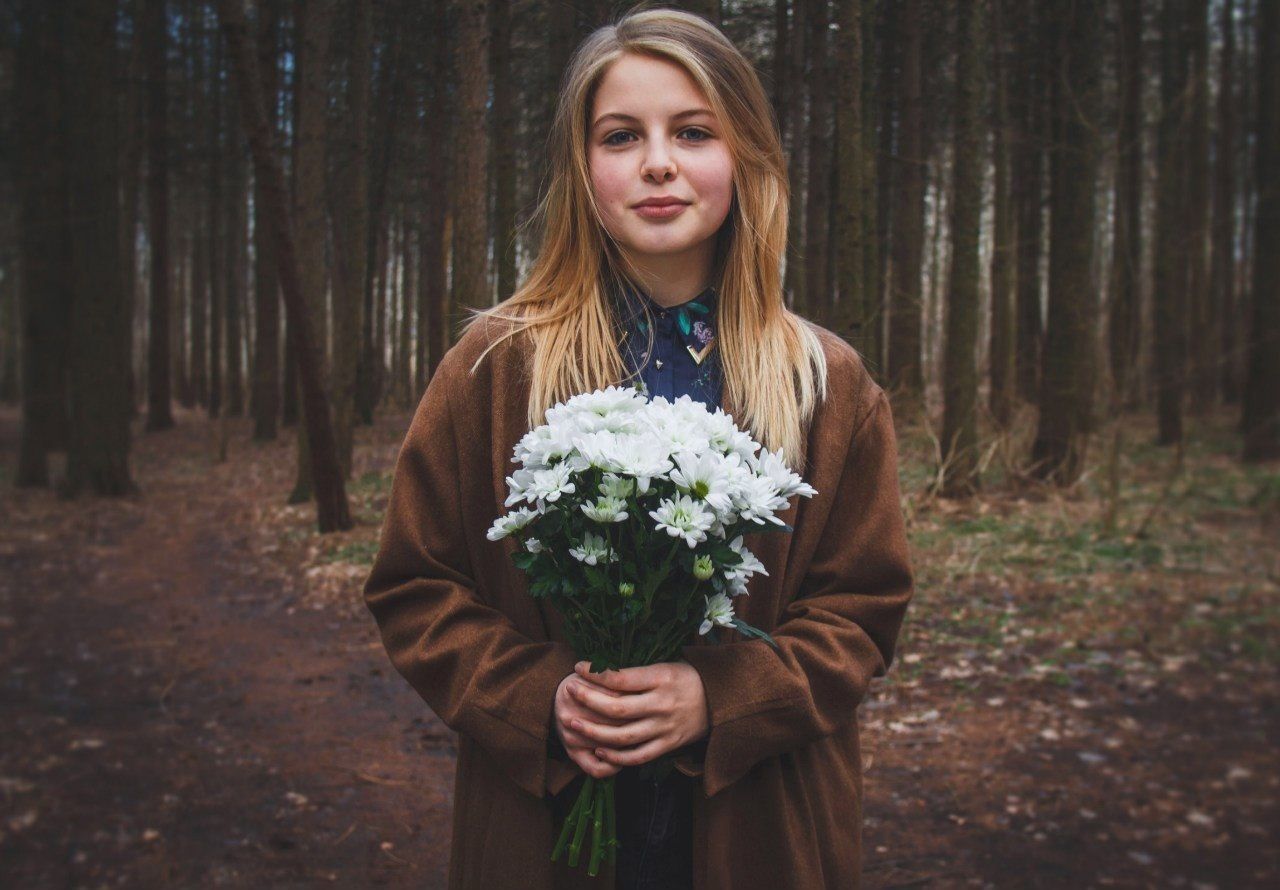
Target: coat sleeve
(467, 660)
(833, 638)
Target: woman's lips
(660, 211)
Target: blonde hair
(774, 367)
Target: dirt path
(195, 696)
(176, 716)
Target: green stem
(570, 821)
(597, 831)
(575, 848)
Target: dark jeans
(655, 831)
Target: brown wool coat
(779, 803)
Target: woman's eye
(611, 140)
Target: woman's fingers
(612, 706)
(633, 756)
(626, 736)
(591, 764)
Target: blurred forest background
(237, 237)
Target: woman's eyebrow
(691, 112)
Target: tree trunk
(1170, 248)
(1028, 190)
(236, 236)
(855, 313)
(98, 380)
(45, 304)
(960, 381)
(332, 509)
(905, 297)
(314, 25)
(817, 229)
(796, 124)
(265, 402)
(1260, 418)
(1222, 263)
(471, 288)
(350, 233)
(1203, 358)
(506, 124)
(154, 31)
(1004, 320)
(1126, 261)
(1067, 373)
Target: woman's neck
(672, 280)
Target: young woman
(665, 226)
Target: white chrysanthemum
(772, 466)
(615, 486)
(680, 425)
(683, 517)
(594, 551)
(598, 449)
(541, 447)
(735, 578)
(642, 456)
(705, 477)
(606, 509)
(719, 611)
(549, 484)
(533, 545)
(612, 409)
(511, 522)
(757, 498)
(725, 437)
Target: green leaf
(748, 631)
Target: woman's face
(653, 136)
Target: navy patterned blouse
(684, 359)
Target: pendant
(706, 350)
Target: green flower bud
(626, 588)
(702, 568)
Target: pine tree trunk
(1028, 190)
(854, 314)
(332, 510)
(1069, 360)
(154, 35)
(98, 375)
(1126, 261)
(314, 26)
(45, 304)
(817, 228)
(1004, 320)
(905, 297)
(797, 122)
(506, 123)
(1260, 418)
(1204, 345)
(265, 401)
(236, 237)
(960, 375)
(1222, 263)
(471, 287)
(350, 233)
(1171, 248)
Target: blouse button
(658, 364)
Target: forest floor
(195, 695)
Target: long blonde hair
(774, 367)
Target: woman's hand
(581, 750)
(638, 714)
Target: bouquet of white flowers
(633, 518)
